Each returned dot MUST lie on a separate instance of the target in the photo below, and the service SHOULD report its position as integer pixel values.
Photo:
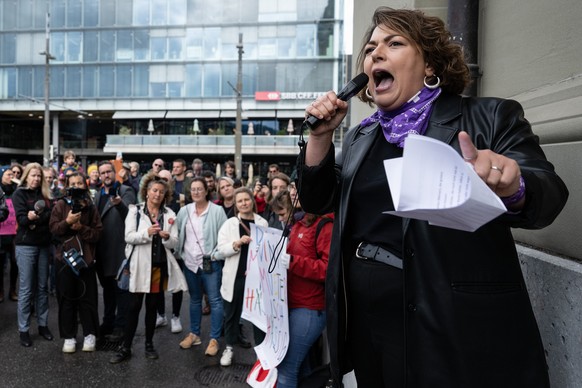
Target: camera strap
(78, 242)
(194, 230)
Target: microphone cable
(287, 227)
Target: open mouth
(382, 78)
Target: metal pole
(463, 18)
(47, 127)
(238, 131)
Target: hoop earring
(436, 85)
(367, 92)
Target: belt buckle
(358, 251)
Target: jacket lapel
(359, 145)
(442, 125)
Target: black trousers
(8, 249)
(376, 323)
(115, 303)
(77, 296)
(176, 299)
(233, 311)
(151, 303)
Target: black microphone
(39, 206)
(351, 89)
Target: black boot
(45, 333)
(150, 352)
(122, 354)
(25, 339)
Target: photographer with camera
(76, 224)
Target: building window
(141, 13)
(106, 46)
(175, 48)
(7, 48)
(74, 49)
(123, 85)
(57, 79)
(124, 50)
(106, 81)
(193, 78)
(90, 13)
(141, 45)
(212, 43)
(90, 45)
(8, 83)
(141, 80)
(25, 14)
(158, 48)
(177, 12)
(211, 80)
(73, 81)
(158, 89)
(194, 43)
(74, 12)
(58, 15)
(90, 81)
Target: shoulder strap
(320, 225)
(137, 216)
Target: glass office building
(117, 64)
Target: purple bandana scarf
(409, 118)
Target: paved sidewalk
(45, 365)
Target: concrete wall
(554, 287)
(529, 50)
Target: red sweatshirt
(306, 274)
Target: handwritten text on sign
(265, 299)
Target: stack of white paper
(432, 182)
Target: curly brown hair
(149, 180)
(433, 40)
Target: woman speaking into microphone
(31, 202)
(409, 303)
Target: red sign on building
(267, 96)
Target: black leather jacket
(468, 318)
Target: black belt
(373, 252)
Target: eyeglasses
(197, 190)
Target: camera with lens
(74, 260)
(77, 198)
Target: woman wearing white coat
(150, 235)
(233, 246)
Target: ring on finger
(497, 169)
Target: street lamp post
(46, 128)
(238, 132)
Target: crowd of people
(183, 230)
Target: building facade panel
(170, 55)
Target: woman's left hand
(154, 229)
(499, 172)
(165, 235)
